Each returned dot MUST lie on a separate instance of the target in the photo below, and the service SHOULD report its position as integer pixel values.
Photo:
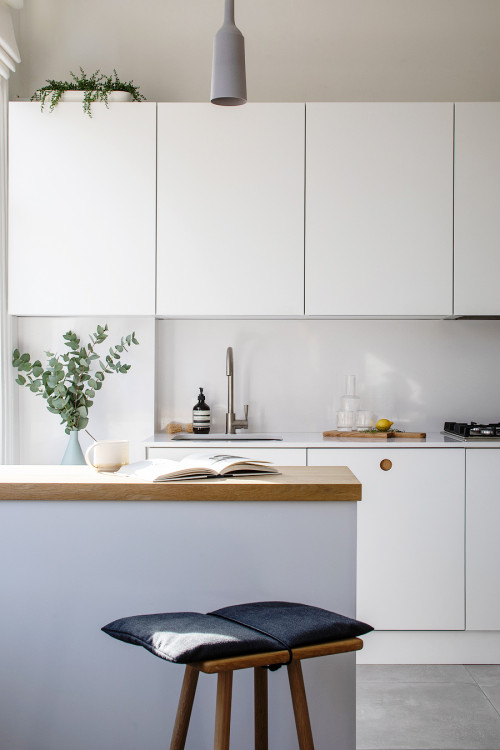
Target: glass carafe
(350, 401)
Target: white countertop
(316, 440)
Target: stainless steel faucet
(232, 424)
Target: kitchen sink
(224, 436)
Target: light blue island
(78, 550)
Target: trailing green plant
(96, 88)
(66, 381)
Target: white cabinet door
(379, 209)
(482, 545)
(477, 218)
(410, 535)
(230, 209)
(278, 456)
(82, 209)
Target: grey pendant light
(229, 86)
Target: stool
(261, 636)
(224, 668)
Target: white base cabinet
(482, 546)
(82, 209)
(410, 535)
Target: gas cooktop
(472, 431)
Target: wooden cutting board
(375, 435)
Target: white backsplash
(292, 372)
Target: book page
(219, 462)
(193, 466)
(153, 468)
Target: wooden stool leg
(186, 699)
(300, 709)
(260, 702)
(223, 710)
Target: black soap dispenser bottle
(201, 416)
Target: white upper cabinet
(230, 209)
(477, 214)
(379, 209)
(82, 209)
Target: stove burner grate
(464, 431)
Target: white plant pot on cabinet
(113, 96)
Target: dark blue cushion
(295, 624)
(186, 637)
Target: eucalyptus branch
(66, 382)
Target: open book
(195, 466)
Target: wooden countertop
(295, 483)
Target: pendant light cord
(229, 11)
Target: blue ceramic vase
(73, 454)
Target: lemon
(383, 425)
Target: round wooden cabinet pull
(386, 464)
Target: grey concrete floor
(428, 707)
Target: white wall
(418, 373)
(338, 50)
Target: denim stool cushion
(185, 637)
(295, 624)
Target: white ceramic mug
(109, 455)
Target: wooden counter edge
(294, 484)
